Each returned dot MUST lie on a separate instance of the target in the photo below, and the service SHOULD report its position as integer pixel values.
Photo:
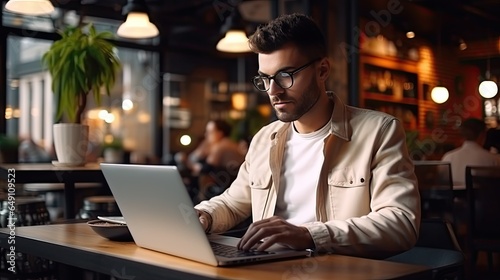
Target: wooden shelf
(390, 62)
(390, 98)
(391, 85)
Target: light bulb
(440, 94)
(488, 89)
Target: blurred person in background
(223, 159)
(471, 152)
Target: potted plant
(83, 61)
(113, 150)
(9, 149)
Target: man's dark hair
(472, 128)
(223, 126)
(298, 29)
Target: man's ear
(324, 69)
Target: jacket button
(362, 180)
(350, 182)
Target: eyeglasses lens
(283, 79)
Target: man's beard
(305, 102)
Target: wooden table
(77, 245)
(47, 173)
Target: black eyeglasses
(283, 79)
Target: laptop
(159, 213)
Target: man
(471, 153)
(325, 176)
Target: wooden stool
(94, 206)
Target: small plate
(111, 231)
(113, 219)
(68, 164)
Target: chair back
(435, 184)
(483, 198)
(483, 207)
(437, 233)
(437, 248)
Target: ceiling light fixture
(30, 7)
(410, 34)
(440, 94)
(137, 24)
(488, 88)
(235, 39)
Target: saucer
(111, 231)
(67, 164)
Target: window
(30, 106)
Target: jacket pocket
(262, 182)
(260, 186)
(348, 177)
(349, 192)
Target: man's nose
(274, 88)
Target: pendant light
(488, 88)
(235, 39)
(439, 93)
(30, 7)
(137, 24)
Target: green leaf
(80, 62)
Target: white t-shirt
(297, 191)
(472, 154)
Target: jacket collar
(339, 124)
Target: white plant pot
(71, 142)
(113, 155)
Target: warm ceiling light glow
(185, 140)
(488, 89)
(30, 7)
(137, 26)
(108, 138)
(235, 41)
(440, 94)
(127, 104)
(239, 101)
(109, 118)
(16, 113)
(8, 113)
(410, 34)
(462, 45)
(103, 114)
(143, 117)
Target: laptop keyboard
(231, 251)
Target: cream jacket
(367, 197)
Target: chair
(437, 248)
(483, 219)
(435, 184)
(29, 211)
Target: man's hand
(275, 230)
(205, 220)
